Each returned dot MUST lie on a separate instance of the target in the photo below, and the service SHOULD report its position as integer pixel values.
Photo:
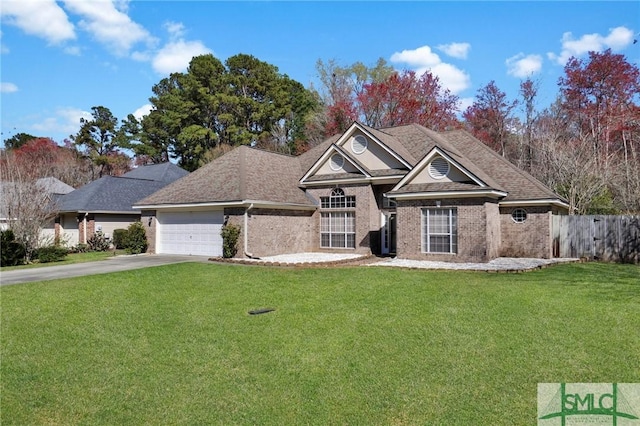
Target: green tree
(244, 101)
(98, 139)
(17, 140)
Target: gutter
(246, 233)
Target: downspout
(246, 233)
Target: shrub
(12, 252)
(98, 242)
(136, 239)
(230, 234)
(51, 253)
(120, 238)
(80, 248)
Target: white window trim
(524, 218)
(337, 167)
(364, 144)
(438, 176)
(424, 231)
(347, 216)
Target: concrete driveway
(112, 264)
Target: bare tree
(27, 204)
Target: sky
(61, 58)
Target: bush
(51, 253)
(80, 248)
(136, 239)
(12, 252)
(230, 234)
(98, 242)
(120, 238)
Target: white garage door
(194, 233)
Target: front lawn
(361, 345)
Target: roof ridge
(523, 172)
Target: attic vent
(359, 144)
(336, 162)
(438, 168)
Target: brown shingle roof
(519, 184)
(251, 174)
(242, 174)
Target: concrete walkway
(112, 264)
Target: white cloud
(175, 56)
(618, 38)
(522, 66)
(175, 29)
(109, 24)
(142, 111)
(72, 50)
(423, 59)
(41, 18)
(65, 120)
(456, 50)
(3, 49)
(8, 88)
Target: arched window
(338, 200)
(338, 221)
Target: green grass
(175, 344)
(91, 256)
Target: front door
(388, 233)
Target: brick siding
(367, 218)
(531, 238)
(273, 232)
(478, 230)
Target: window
(438, 168)
(338, 230)
(359, 144)
(337, 200)
(519, 215)
(336, 162)
(439, 231)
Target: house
(54, 189)
(404, 190)
(106, 204)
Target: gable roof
(243, 175)
(117, 194)
(248, 175)
(392, 148)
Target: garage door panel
(191, 232)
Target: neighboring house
(54, 187)
(106, 204)
(405, 190)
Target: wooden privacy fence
(598, 237)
